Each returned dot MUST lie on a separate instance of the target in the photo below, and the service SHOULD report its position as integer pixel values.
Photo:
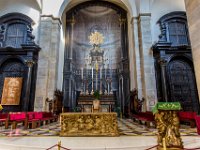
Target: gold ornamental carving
(167, 124)
(89, 124)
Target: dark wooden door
(182, 85)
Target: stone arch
(126, 4)
(121, 46)
(30, 8)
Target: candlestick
(92, 73)
(105, 73)
(100, 72)
(108, 88)
(96, 81)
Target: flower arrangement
(96, 94)
(1, 107)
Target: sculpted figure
(172, 134)
(89, 123)
(81, 124)
(97, 124)
(161, 126)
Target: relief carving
(89, 124)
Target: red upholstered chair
(31, 120)
(187, 116)
(15, 118)
(197, 119)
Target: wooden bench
(187, 116)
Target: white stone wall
(48, 61)
(193, 13)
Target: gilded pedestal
(89, 124)
(167, 124)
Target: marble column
(193, 13)
(162, 63)
(49, 33)
(30, 64)
(69, 76)
(147, 69)
(137, 60)
(122, 23)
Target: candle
(92, 72)
(105, 73)
(111, 67)
(111, 72)
(81, 73)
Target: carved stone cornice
(52, 17)
(143, 15)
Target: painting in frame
(11, 91)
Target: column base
(172, 148)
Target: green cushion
(166, 106)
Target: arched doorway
(182, 85)
(88, 65)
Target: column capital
(162, 62)
(72, 21)
(51, 17)
(30, 63)
(122, 20)
(134, 20)
(144, 16)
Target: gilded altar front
(89, 124)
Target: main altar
(89, 124)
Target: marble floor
(133, 136)
(89, 143)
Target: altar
(89, 124)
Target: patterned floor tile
(126, 127)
